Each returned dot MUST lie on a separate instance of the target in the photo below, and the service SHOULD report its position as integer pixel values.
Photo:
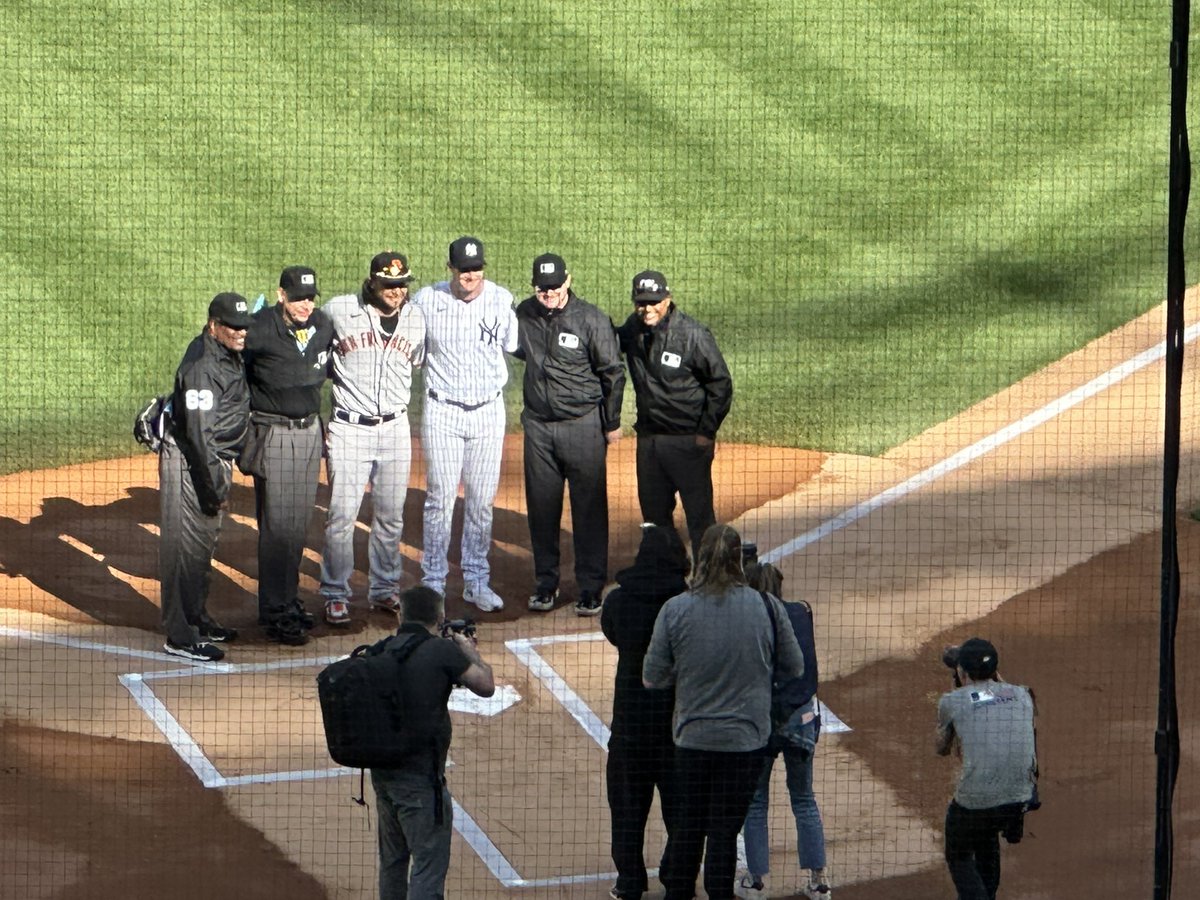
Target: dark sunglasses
(548, 288)
(645, 301)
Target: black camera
(465, 627)
(749, 553)
(950, 657)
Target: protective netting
(928, 240)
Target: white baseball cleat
(483, 596)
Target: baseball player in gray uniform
(471, 326)
(378, 338)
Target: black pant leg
(656, 490)
(690, 471)
(685, 842)
(544, 483)
(735, 778)
(187, 539)
(631, 775)
(963, 830)
(583, 452)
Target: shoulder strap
(774, 633)
(408, 647)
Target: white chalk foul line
(177, 736)
(576, 706)
(978, 449)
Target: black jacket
(679, 376)
(210, 412)
(572, 362)
(640, 714)
(285, 380)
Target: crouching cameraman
(992, 724)
(413, 801)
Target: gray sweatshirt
(716, 650)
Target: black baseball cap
(466, 254)
(650, 285)
(549, 271)
(299, 282)
(978, 658)
(231, 309)
(390, 269)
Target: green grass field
(885, 210)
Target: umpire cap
(298, 282)
(549, 270)
(231, 310)
(650, 285)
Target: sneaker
(818, 891)
(483, 596)
(337, 612)
(201, 650)
(543, 601)
(212, 633)
(750, 888)
(588, 604)
(390, 603)
(287, 630)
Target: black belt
(469, 407)
(356, 419)
(283, 421)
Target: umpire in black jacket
(573, 387)
(684, 392)
(210, 408)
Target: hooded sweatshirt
(641, 714)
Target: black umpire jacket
(210, 414)
(679, 376)
(572, 362)
(284, 379)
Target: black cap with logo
(390, 269)
(230, 309)
(650, 286)
(549, 271)
(466, 254)
(299, 282)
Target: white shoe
(818, 891)
(483, 596)
(748, 889)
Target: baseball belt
(469, 407)
(356, 419)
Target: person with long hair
(722, 645)
(796, 738)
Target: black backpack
(366, 724)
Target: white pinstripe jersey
(466, 342)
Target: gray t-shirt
(994, 724)
(716, 650)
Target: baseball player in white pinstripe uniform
(470, 327)
(378, 338)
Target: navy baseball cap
(230, 309)
(390, 269)
(650, 285)
(299, 282)
(466, 254)
(549, 271)
(978, 658)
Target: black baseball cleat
(543, 600)
(201, 651)
(214, 633)
(588, 604)
(307, 620)
(287, 630)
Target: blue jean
(810, 833)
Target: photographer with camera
(991, 723)
(413, 800)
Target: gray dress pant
(414, 848)
(187, 540)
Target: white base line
(522, 648)
(189, 751)
(978, 449)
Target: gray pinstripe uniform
(369, 440)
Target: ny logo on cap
(307, 278)
(471, 249)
